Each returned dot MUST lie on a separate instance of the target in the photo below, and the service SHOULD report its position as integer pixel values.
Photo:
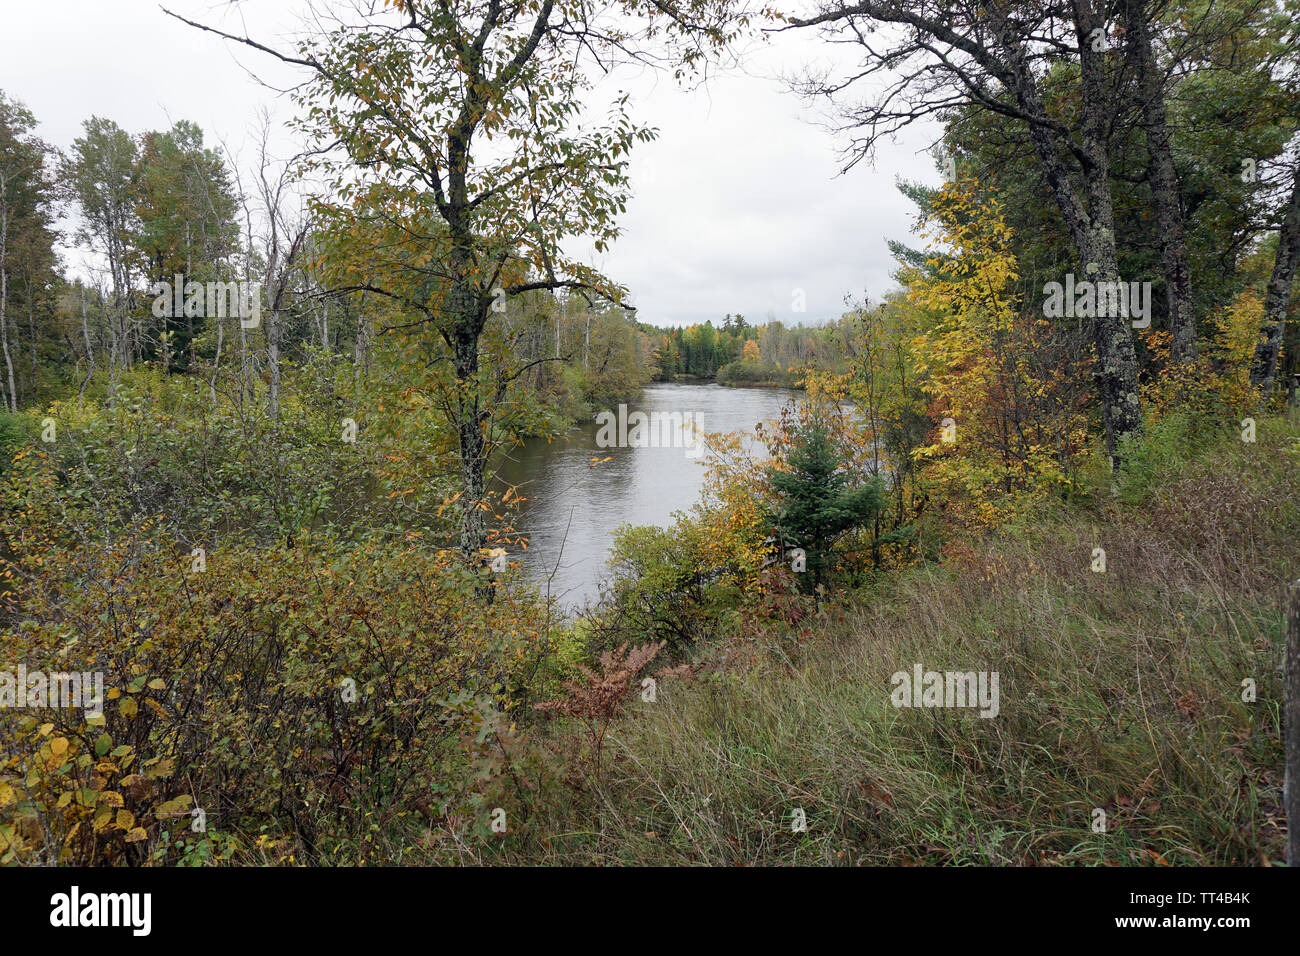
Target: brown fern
(595, 701)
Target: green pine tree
(818, 502)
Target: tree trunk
(90, 349)
(31, 326)
(1092, 228)
(216, 361)
(469, 430)
(273, 361)
(1263, 371)
(247, 390)
(467, 311)
(114, 347)
(1164, 186)
(189, 318)
(4, 308)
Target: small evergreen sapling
(817, 501)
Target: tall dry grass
(1120, 691)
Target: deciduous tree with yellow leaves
(1003, 390)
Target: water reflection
(574, 506)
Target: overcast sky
(737, 204)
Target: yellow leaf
(162, 768)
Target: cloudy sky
(739, 203)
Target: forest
(1005, 583)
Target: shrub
(318, 694)
(746, 372)
(1148, 457)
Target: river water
(575, 505)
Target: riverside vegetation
(279, 546)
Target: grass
(1121, 692)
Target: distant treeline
(737, 353)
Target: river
(575, 505)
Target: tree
(461, 131)
(817, 501)
(993, 376)
(1150, 82)
(102, 175)
(26, 229)
(944, 55)
(1263, 370)
(185, 209)
(284, 240)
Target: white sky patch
(736, 204)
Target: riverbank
(771, 384)
(579, 492)
(790, 383)
(1121, 715)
